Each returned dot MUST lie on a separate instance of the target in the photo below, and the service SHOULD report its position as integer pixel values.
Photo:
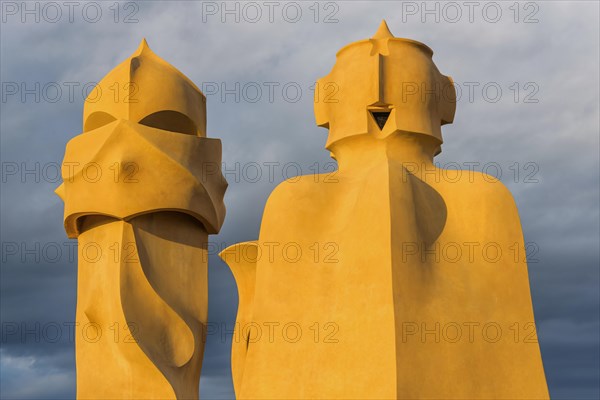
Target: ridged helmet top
(384, 85)
(148, 90)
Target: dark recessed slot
(170, 121)
(381, 117)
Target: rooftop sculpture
(402, 284)
(142, 191)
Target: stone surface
(404, 280)
(143, 189)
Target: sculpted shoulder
(298, 192)
(480, 199)
(472, 184)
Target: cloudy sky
(529, 113)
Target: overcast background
(541, 134)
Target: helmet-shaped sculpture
(131, 91)
(151, 120)
(384, 85)
(142, 181)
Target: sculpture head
(146, 89)
(384, 86)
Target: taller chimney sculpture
(142, 190)
(391, 278)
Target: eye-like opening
(170, 121)
(380, 118)
(97, 120)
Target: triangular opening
(381, 117)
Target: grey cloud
(559, 134)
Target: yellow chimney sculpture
(143, 189)
(391, 278)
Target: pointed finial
(142, 47)
(383, 32)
